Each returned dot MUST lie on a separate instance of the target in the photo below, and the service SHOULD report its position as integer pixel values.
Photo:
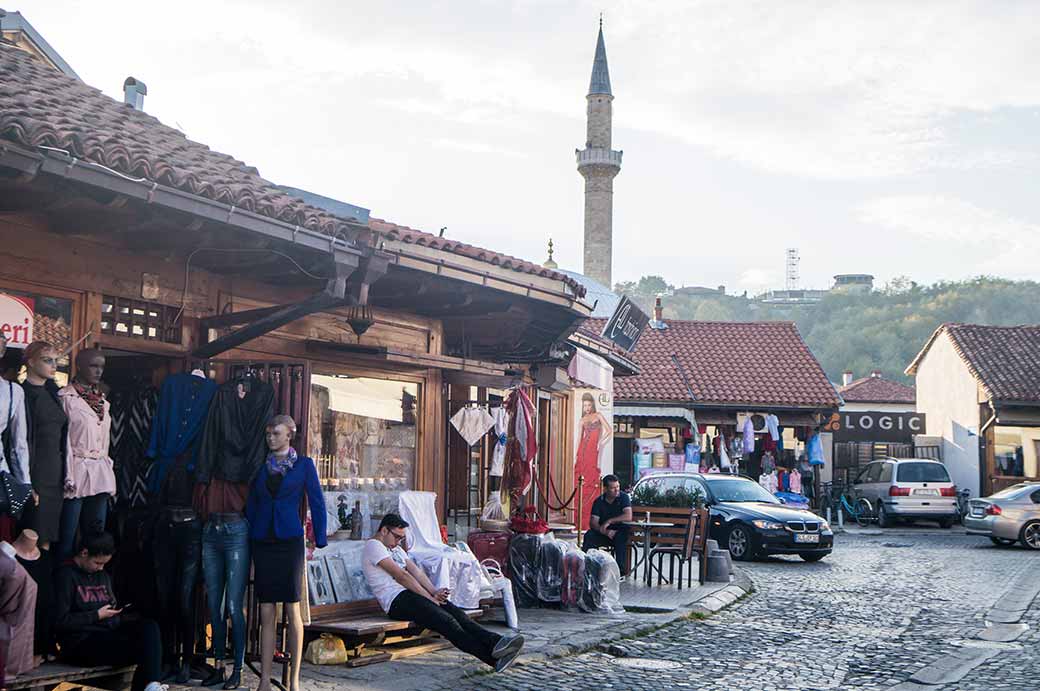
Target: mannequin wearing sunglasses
(405, 593)
(46, 435)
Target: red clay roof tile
(877, 390)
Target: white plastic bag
(503, 587)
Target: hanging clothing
(780, 441)
(47, 438)
(772, 483)
(768, 443)
(472, 422)
(523, 446)
(498, 456)
(749, 435)
(724, 461)
(14, 454)
(233, 446)
(89, 469)
(132, 412)
(814, 449)
(795, 481)
(773, 426)
(768, 463)
(177, 424)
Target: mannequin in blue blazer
(276, 532)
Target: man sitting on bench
(405, 593)
(606, 522)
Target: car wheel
(811, 556)
(739, 543)
(1002, 541)
(884, 519)
(946, 523)
(1030, 535)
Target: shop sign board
(875, 426)
(16, 320)
(593, 429)
(626, 325)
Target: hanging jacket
(814, 449)
(233, 446)
(179, 420)
(749, 435)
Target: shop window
(139, 319)
(1015, 451)
(27, 317)
(363, 432)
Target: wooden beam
(223, 321)
(334, 295)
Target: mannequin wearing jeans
(89, 477)
(225, 568)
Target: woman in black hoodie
(91, 627)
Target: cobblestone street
(879, 610)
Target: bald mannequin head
(90, 365)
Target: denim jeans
(176, 570)
(79, 514)
(225, 566)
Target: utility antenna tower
(792, 268)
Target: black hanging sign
(875, 426)
(626, 325)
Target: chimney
(134, 92)
(876, 374)
(658, 310)
(722, 290)
(846, 377)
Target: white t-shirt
(383, 585)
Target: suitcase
(490, 545)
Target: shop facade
(700, 383)
(978, 387)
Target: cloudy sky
(892, 138)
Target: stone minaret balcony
(598, 157)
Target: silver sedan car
(1009, 516)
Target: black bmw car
(751, 522)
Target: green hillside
(882, 330)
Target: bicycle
(963, 504)
(858, 509)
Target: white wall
(948, 396)
(878, 407)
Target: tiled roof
(1005, 360)
(877, 390)
(41, 107)
(394, 231)
(759, 364)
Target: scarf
(281, 466)
(93, 397)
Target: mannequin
(46, 433)
(90, 480)
(12, 415)
(26, 545)
(277, 541)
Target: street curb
(739, 588)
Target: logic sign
(626, 325)
(16, 320)
(876, 426)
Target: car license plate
(806, 537)
(927, 492)
(977, 512)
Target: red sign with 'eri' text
(16, 320)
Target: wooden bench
(53, 675)
(370, 635)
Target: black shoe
(184, 673)
(216, 678)
(235, 680)
(507, 645)
(506, 662)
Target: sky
(889, 138)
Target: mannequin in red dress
(596, 433)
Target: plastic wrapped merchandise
(572, 588)
(550, 569)
(602, 584)
(524, 556)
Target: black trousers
(178, 556)
(447, 620)
(619, 544)
(132, 643)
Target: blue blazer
(282, 512)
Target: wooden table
(646, 526)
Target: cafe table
(647, 527)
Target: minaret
(598, 164)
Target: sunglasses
(398, 536)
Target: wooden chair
(692, 545)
